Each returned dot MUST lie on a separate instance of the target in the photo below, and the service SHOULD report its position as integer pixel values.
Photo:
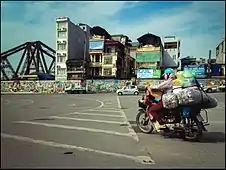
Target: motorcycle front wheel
(144, 123)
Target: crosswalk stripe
(75, 128)
(101, 110)
(93, 114)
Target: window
(61, 34)
(61, 46)
(170, 45)
(132, 87)
(110, 49)
(61, 71)
(174, 57)
(60, 59)
(107, 60)
(222, 48)
(61, 25)
(217, 52)
(97, 57)
(107, 72)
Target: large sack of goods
(170, 101)
(212, 102)
(192, 97)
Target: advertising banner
(148, 73)
(200, 70)
(96, 45)
(151, 56)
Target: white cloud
(190, 23)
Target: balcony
(61, 29)
(62, 42)
(104, 65)
(96, 64)
(147, 49)
(97, 37)
(110, 54)
(76, 70)
(61, 54)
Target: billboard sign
(200, 70)
(148, 73)
(96, 45)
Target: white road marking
(101, 104)
(98, 107)
(108, 109)
(139, 159)
(95, 110)
(72, 105)
(87, 120)
(93, 114)
(75, 128)
(129, 126)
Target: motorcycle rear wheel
(145, 125)
(196, 134)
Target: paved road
(91, 131)
(68, 131)
(210, 152)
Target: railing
(110, 54)
(97, 64)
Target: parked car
(222, 87)
(128, 90)
(209, 89)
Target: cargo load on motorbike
(191, 93)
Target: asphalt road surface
(98, 131)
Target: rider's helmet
(169, 73)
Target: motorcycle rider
(167, 87)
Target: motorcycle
(183, 120)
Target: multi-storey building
(96, 50)
(110, 56)
(113, 59)
(149, 56)
(171, 52)
(78, 67)
(220, 53)
(129, 62)
(70, 46)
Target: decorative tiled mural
(96, 86)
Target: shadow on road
(213, 137)
(208, 137)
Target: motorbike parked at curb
(185, 121)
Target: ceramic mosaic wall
(97, 86)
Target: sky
(199, 25)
